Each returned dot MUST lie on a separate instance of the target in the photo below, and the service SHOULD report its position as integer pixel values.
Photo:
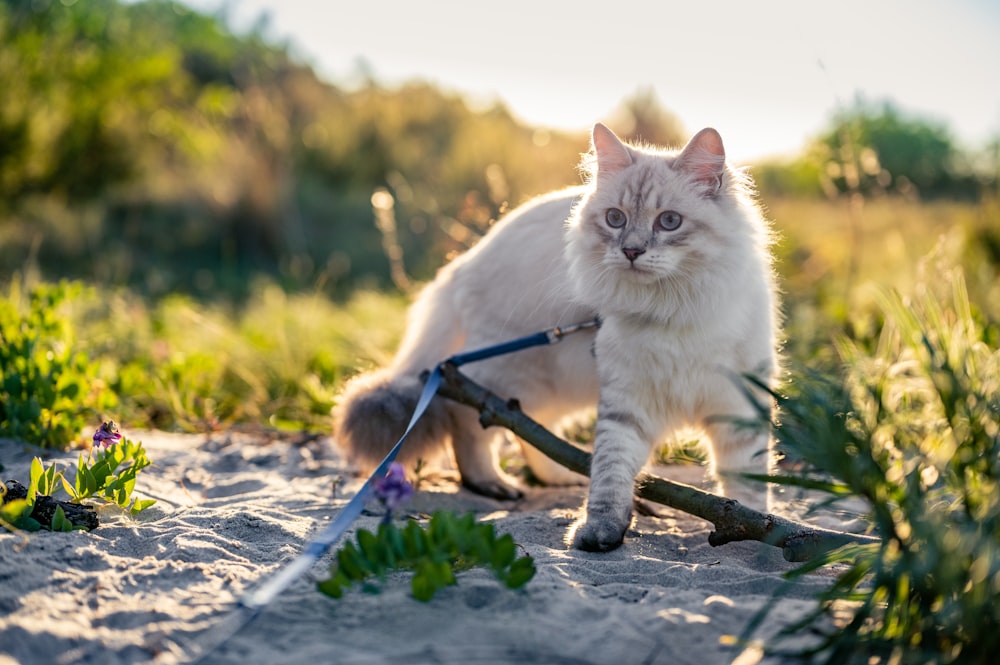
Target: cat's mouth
(637, 273)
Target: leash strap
(253, 603)
(268, 591)
(325, 540)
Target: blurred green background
(249, 233)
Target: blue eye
(669, 220)
(615, 218)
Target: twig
(733, 521)
(45, 507)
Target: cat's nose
(632, 253)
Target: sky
(767, 74)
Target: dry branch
(45, 508)
(732, 521)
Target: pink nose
(632, 253)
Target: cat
(671, 251)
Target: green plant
(16, 514)
(46, 393)
(433, 553)
(108, 476)
(914, 430)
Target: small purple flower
(393, 489)
(107, 435)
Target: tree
(872, 147)
(643, 118)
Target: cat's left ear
(612, 154)
(705, 158)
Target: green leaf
(331, 587)
(421, 588)
(69, 489)
(86, 483)
(59, 521)
(444, 574)
(393, 538)
(368, 544)
(351, 562)
(521, 572)
(414, 540)
(28, 524)
(504, 552)
(424, 584)
(35, 477)
(13, 511)
(141, 505)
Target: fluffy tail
(374, 408)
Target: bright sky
(766, 74)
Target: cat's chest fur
(662, 367)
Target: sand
(232, 508)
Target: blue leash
(254, 602)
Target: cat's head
(656, 226)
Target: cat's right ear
(705, 158)
(612, 154)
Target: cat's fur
(680, 275)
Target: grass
(896, 398)
(912, 427)
(277, 359)
(181, 365)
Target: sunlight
(678, 615)
(767, 79)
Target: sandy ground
(233, 508)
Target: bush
(47, 393)
(914, 429)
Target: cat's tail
(375, 407)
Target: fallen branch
(45, 508)
(733, 521)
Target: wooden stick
(733, 521)
(45, 508)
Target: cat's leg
(738, 450)
(620, 451)
(547, 470)
(476, 456)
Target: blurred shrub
(873, 149)
(49, 388)
(275, 360)
(145, 144)
(914, 430)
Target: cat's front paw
(600, 533)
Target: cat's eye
(669, 220)
(615, 218)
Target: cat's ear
(612, 155)
(705, 158)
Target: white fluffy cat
(670, 250)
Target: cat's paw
(495, 489)
(599, 536)
(600, 533)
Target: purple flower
(107, 435)
(393, 489)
